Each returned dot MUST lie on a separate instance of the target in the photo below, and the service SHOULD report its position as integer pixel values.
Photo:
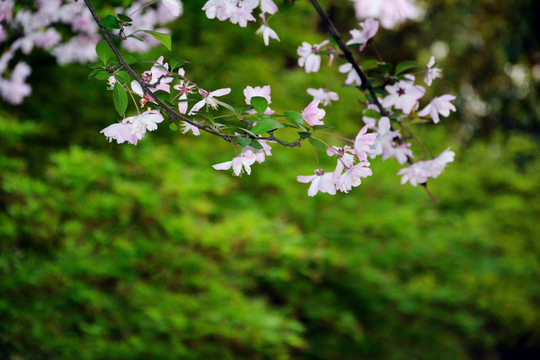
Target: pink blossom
(352, 75)
(208, 98)
(389, 12)
(363, 143)
(262, 153)
(267, 33)
(246, 158)
(414, 174)
(439, 105)
(352, 176)
(120, 132)
(344, 159)
(369, 29)
(384, 143)
(174, 6)
(324, 95)
(15, 89)
(419, 172)
(185, 127)
(402, 153)
(133, 128)
(312, 114)
(309, 59)
(403, 95)
(431, 72)
(268, 6)
(319, 182)
(264, 92)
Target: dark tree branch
(366, 86)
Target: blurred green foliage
(118, 252)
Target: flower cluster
(241, 12)
(24, 28)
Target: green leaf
(369, 64)
(255, 144)
(104, 52)
(320, 127)
(243, 141)
(317, 144)
(295, 118)
(130, 59)
(173, 126)
(208, 116)
(285, 6)
(370, 113)
(120, 99)
(176, 63)
(165, 39)
(265, 125)
(110, 23)
(123, 77)
(259, 104)
(136, 37)
(405, 65)
(304, 134)
(385, 66)
(93, 73)
(102, 75)
(123, 18)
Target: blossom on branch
(403, 95)
(133, 128)
(439, 105)
(208, 98)
(369, 29)
(431, 72)
(321, 181)
(242, 161)
(312, 114)
(310, 60)
(323, 95)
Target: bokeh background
(114, 251)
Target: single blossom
(362, 37)
(352, 75)
(439, 105)
(268, 6)
(267, 33)
(403, 95)
(312, 114)
(389, 12)
(384, 143)
(351, 177)
(402, 152)
(344, 159)
(323, 95)
(363, 143)
(319, 182)
(244, 160)
(262, 153)
(431, 72)
(184, 88)
(185, 127)
(208, 98)
(174, 6)
(309, 57)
